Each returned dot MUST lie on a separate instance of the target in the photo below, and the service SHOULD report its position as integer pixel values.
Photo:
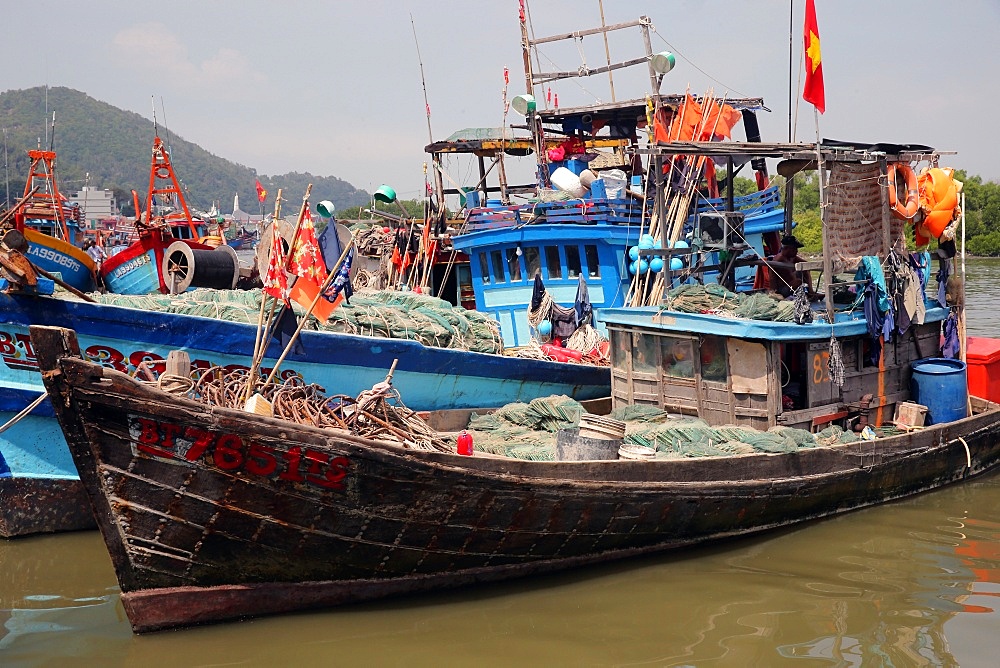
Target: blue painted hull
(62, 258)
(122, 338)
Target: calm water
(914, 583)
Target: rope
(24, 412)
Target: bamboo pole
(261, 328)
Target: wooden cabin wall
(671, 371)
(862, 377)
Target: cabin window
(533, 261)
(497, 266)
(678, 357)
(644, 348)
(713, 359)
(593, 264)
(514, 264)
(573, 266)
(552, 262)
(484, 268)
(621, 342)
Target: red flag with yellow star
(813, 91)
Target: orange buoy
(906, 210)
(938, 198)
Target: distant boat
(139, 268)
(52, 226)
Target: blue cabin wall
(504, 291)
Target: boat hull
(122, 338)
(137, 270)
(63, 258)
(194, 500)
(43, 505)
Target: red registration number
(229, 452)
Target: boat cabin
(761, 374)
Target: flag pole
(261, 328)
(827, 260)
(302, 322)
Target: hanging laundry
(944, 272)
(951, 345)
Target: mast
(161, 169)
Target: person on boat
(783, 277)
(95, 251)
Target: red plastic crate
(983, 359)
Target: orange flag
(813, 91)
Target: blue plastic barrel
(940, 384)
(494, 203)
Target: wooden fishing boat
(212, 514)
(38, 460)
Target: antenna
(152, 102)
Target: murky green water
(914, 583)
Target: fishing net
(528, 431)
(717, 299)
(387, 314)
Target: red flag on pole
(813, 91)
(261, 193)
(307, 261)
(275, 282)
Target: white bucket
(567, 181)
(636, 452)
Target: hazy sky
(334, 87)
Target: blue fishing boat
(40, 490)
(592, 203)
(141, 267)
(51, 226)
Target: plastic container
(572, 447)
(636, 453)
(494, 203)
(472, 199)
(567, 181)
(983, 358)
(940, 384)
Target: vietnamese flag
(813, 90)
(261, 193)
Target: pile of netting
(378, 413)
(525, 430)
(387, 314)
(714, 298)
(678, 436)
(528, 431)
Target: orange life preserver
(909, 209)
(938, 198)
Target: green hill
(113, 146)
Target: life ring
(162, 173)
(938, 198)
(909, 209)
